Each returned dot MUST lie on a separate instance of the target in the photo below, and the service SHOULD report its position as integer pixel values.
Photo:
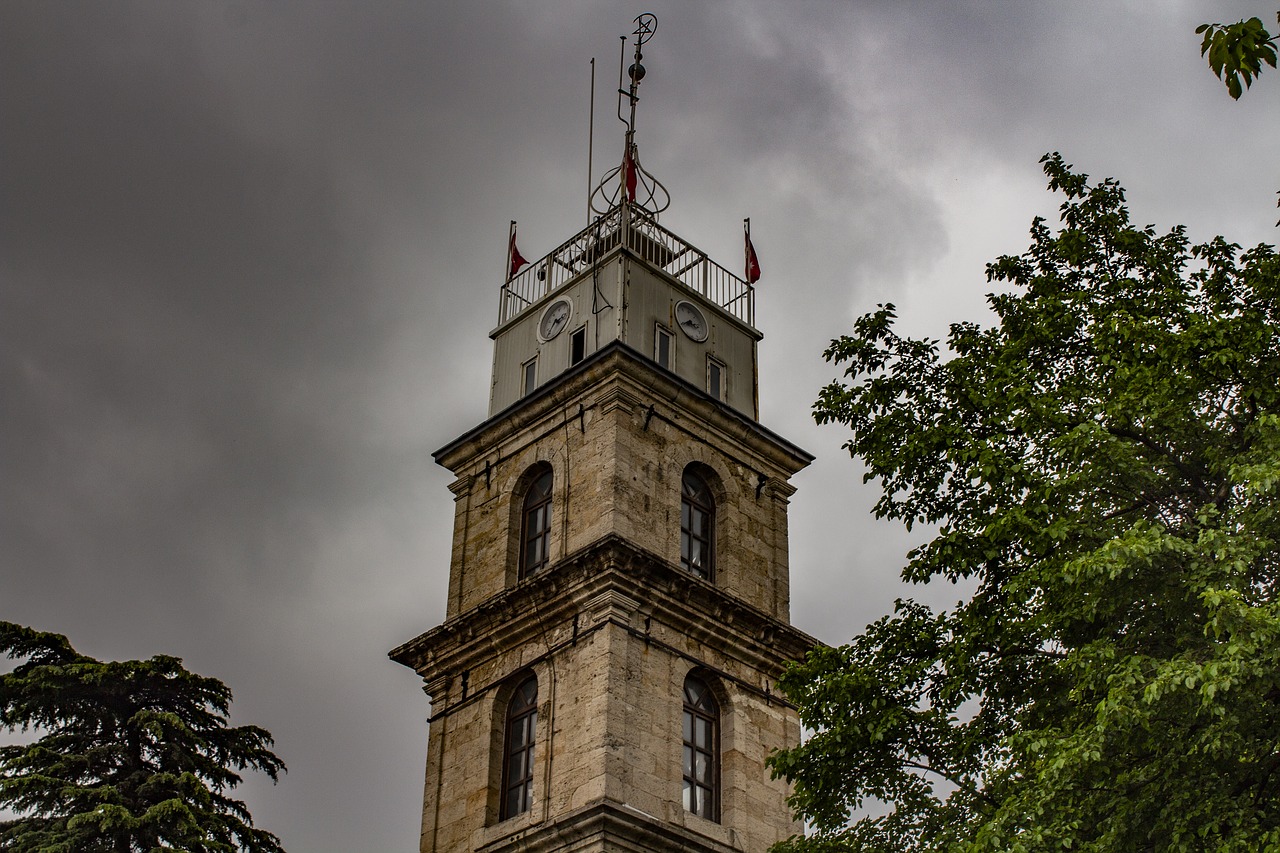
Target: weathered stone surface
(613, 625)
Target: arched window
(535, 524)
(697, 526)
(517, 749)
(701, 750)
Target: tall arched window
(535, 524)
(697, 525)
(701, 750)
(517, 749)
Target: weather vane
(634, 184)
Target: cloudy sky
(250, 255)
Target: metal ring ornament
(646, 26)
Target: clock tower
(617, 609)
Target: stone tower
(618, 593)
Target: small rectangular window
(578, 346)
(530, 376)
(662, 347)
(715, 378)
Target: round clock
(554, 319)
(690, 320)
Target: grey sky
(249, 260)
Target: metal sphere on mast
(635, 185)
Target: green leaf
(1236, 52)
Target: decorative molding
(461, 487)
(616, 397)
(625, 578)
(609, 825)
(618, 366)
(610, 604)
(780, 490)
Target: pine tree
(132, 756)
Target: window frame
(706, 789)
(662, 334)
(578, 337)
(529, 377)
(521, 718)
(700, 505)
(720, 388)
(535, 522)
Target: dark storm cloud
(168, 281)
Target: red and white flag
(629, 174)
(753, 263)
(515, 260)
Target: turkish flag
(629, 169)
(753, 263)
(517, 259)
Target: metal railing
(647, 240)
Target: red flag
(753, 263)
(629, 170)
(517, 259)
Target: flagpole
(591, 134)
(748, 250)
(511, 242)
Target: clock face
(690, 320)
(554, 319)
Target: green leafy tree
(1237, 51)
(132, 755)
(1103, 465)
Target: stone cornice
(609, 825)
(609, 580)
(594, 377)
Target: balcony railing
(647, 240)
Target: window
(578, 346)
(701, 750)
(662, 347)
(530, 376)
(517, 749)
(715, 378)
(535, 524)
(697, 525)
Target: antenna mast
(591, 133)
(646, 26)
(635, 185)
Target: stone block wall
(612, 625)
(609, 731)
(618, 451)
